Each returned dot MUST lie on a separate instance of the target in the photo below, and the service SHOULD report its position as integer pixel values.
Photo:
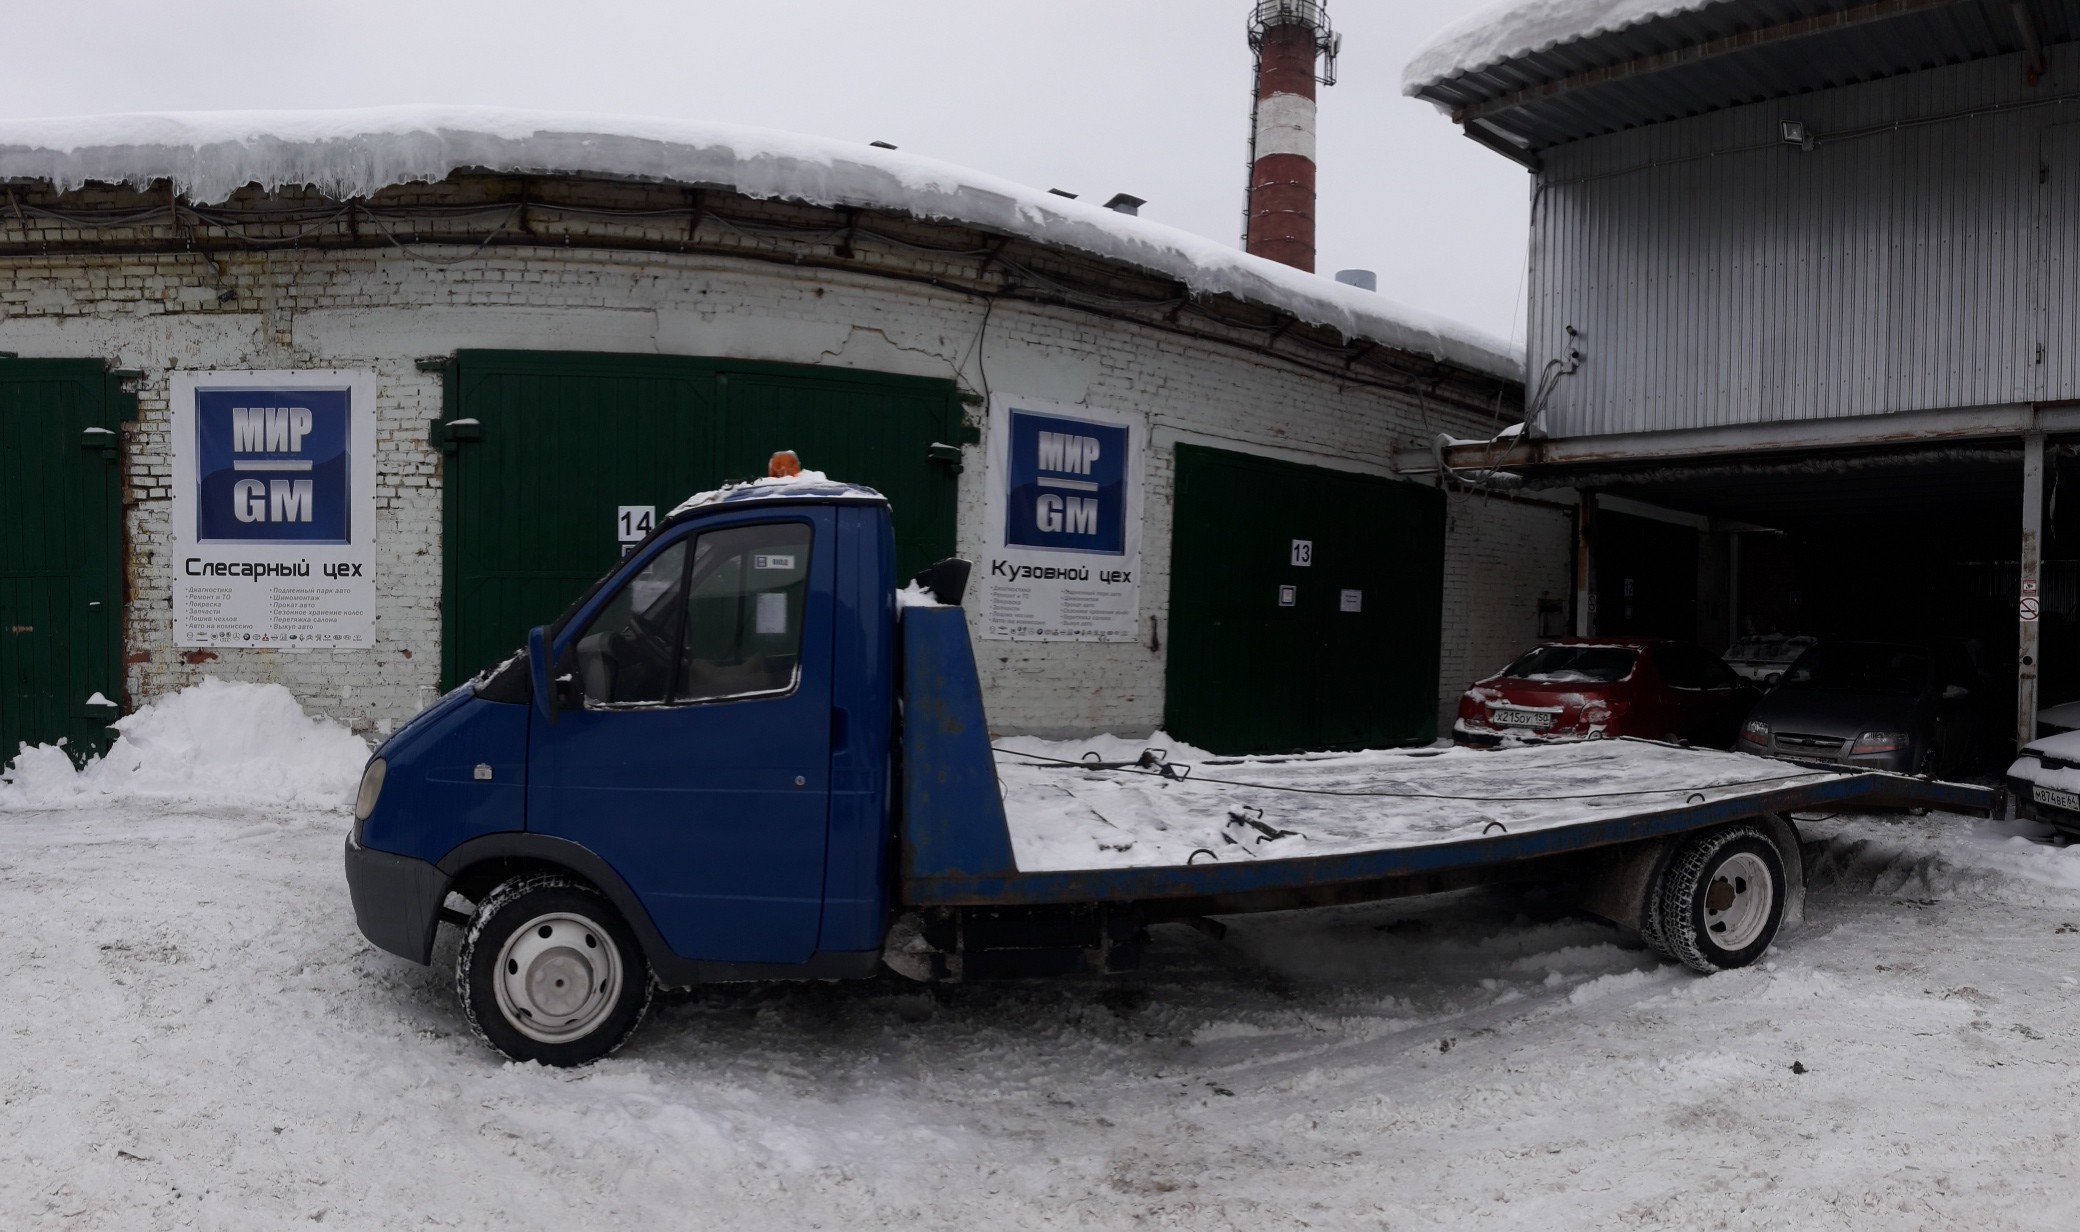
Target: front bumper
(2022, 794)
(1482, 736)
(397, 900)
(1900, 761)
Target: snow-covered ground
(195, 1035)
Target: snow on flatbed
(1065, 818)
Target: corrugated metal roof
(1761, 49)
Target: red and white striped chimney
(1289, 37)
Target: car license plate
(2066, 800)
(1540, 719)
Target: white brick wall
(1503, 555)
(381, 309)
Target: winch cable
(1135, 767)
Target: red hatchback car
(1582, 688)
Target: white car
(2044, 782)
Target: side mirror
(538, 672)
(1955, 693)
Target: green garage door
(1304, 606)
(544, 450)
(60, 553)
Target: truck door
(698, 765)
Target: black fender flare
(578, 859)
(671, 969)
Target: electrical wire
(1402, 795)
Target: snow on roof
(349, 153)
(1517, 28)
(808, 485)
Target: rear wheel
(549, 972)
(1722, 899)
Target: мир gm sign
(273, 509)
(1063, 510)
(1068, 484)
(272, 465)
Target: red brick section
(1286, 63)
(1281, 210)
(1281, 200)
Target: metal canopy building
(1802, 307)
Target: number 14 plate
(2066, 800)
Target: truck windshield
(1859, 667)
(1575, 664)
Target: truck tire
(550, 972)
(1650, 929)
(1722, 899)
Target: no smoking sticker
(2030, 605)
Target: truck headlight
(1879, 742)
(1755, 731)
(371, 788)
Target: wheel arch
(1625, 881)
(1782, 832)
(478, 866)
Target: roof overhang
(1567, 459)
(1686, 60)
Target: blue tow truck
(738, 757)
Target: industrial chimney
(1290, 37)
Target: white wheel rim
(558, 977)
(1737, 901)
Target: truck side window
(627, 654)
(750, 585)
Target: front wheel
(1722, 899)
(549, 972)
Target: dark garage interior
(1918, 545)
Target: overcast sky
(1093, 96)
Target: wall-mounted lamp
(1794, 132)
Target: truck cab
(684, 778)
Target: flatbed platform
(1018, 822)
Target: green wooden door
(550, 446)
(874, 432)
(60, 554)
(1348, 657)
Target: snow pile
(916, 594)
(218, 743)
(1944, 856)
(352, 153)
(1522, 27)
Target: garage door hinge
(948, 456)
(103, 441)
(450, 433)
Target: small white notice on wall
(633, 523)
(1351, 601)
(1288, 596)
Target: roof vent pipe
(1125, 203)
(1364, 280)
